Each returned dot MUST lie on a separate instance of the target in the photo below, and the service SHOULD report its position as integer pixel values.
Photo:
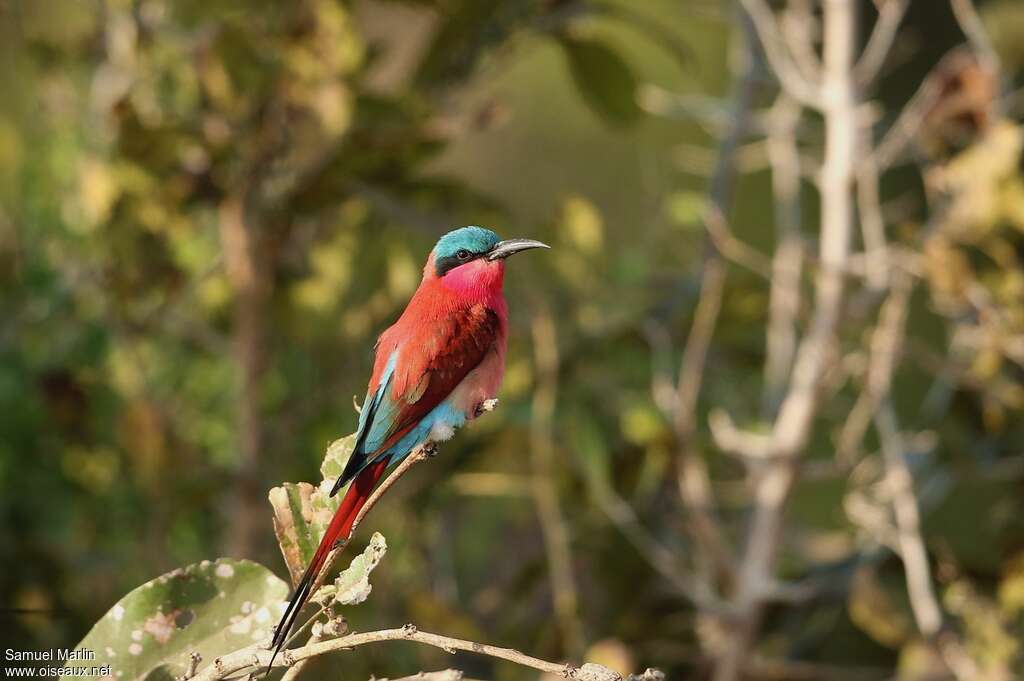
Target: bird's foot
(430, 449)
(485, 406)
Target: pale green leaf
(212, 608)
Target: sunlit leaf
(302, 512)
(352, 586)
(582, 224)
(210, 608)
(686, 208)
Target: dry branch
(791, 429)
(257, 656)
(890, 14)
(781, 61)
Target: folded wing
(414, 373)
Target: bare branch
(886, 343)
(779, 58)
(257, 655)
(294, 671)
(872, 226)
(793, 425)
(664, 561)
(784, 297)
(902, 133)
(442, 675)
(731, 247)
(970, 23)
(800, 30)
(900, 482)
(692, 475)
(884, 347)
(729, 438)
(890, 15)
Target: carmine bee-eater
(434, 367)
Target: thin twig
(441, 675)
(971, 24)
(890, 14)
(194, 659)
(909, 542)
(733, 248)
(910, 119)
(258, 656)
(296, 669)
(664, 561)
(792, 427)
(799, 30)
(884, 347)
(872, 223)
(787, 263)
(693, 479)
(781, 61)
(923, 602)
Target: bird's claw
(430, 449)
(484, 407)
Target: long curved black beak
(505, 248)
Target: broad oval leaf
(352, 586)
(604, 80)
(302, 513)
(338, 453)
(212, 608)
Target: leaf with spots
(302, 512)
(352, 586)
(212, 607)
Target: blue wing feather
(392, 425)
(375, 418)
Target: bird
(432, 371)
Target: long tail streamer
(337, 533)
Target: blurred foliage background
(209, 210)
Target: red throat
(477, 281)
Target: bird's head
(473, 258)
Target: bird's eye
(462, 254)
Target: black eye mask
(449, 262)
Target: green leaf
(337, 456)
(352, 586)
(212, 608)
(686, 208)
(302, 512)
(301, 516)
(604, 80)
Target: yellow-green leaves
(582, 225)
(686, 208)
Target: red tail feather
(339, 529)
